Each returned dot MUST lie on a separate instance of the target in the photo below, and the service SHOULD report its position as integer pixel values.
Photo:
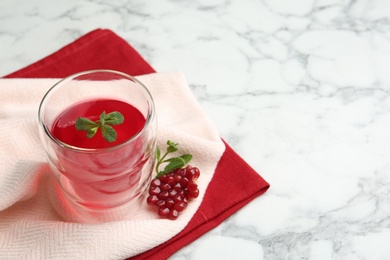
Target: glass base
(72, 211)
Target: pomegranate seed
(178, 198)
(154, 190)
(179, 189)
(182, 172)
(178, 178)
(180, 206)
(195, 173)
(172, 192)
(163, 212)
(160, 203)
(194, 194)
(173, 214)
(165, 186)
(171, 180)
(163, 195)
(152, 200)
(192, 186)
(184, 182)
(188, 173)
(163, 178)
(155, 183)
(169, 203)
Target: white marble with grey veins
(299, 88)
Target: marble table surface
(300, 89)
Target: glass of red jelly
(98, 180)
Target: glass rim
(148, 120)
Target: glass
(99, 184)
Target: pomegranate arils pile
(172, 191)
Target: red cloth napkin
(234, 183)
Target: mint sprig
(173, 163)
(105, 123)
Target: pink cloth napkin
(27, 184)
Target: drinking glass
(99, 184)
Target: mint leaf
(158, 153)
(109, 133)
(91, 132)
(105, 122)
(172, 147)
(102, 118)
(84, 124)
(187, 158)
(173, 163)
(114, 118)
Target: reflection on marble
(300, 89)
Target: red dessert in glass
(99, 178)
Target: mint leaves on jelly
(173, 163)
(105, 123)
